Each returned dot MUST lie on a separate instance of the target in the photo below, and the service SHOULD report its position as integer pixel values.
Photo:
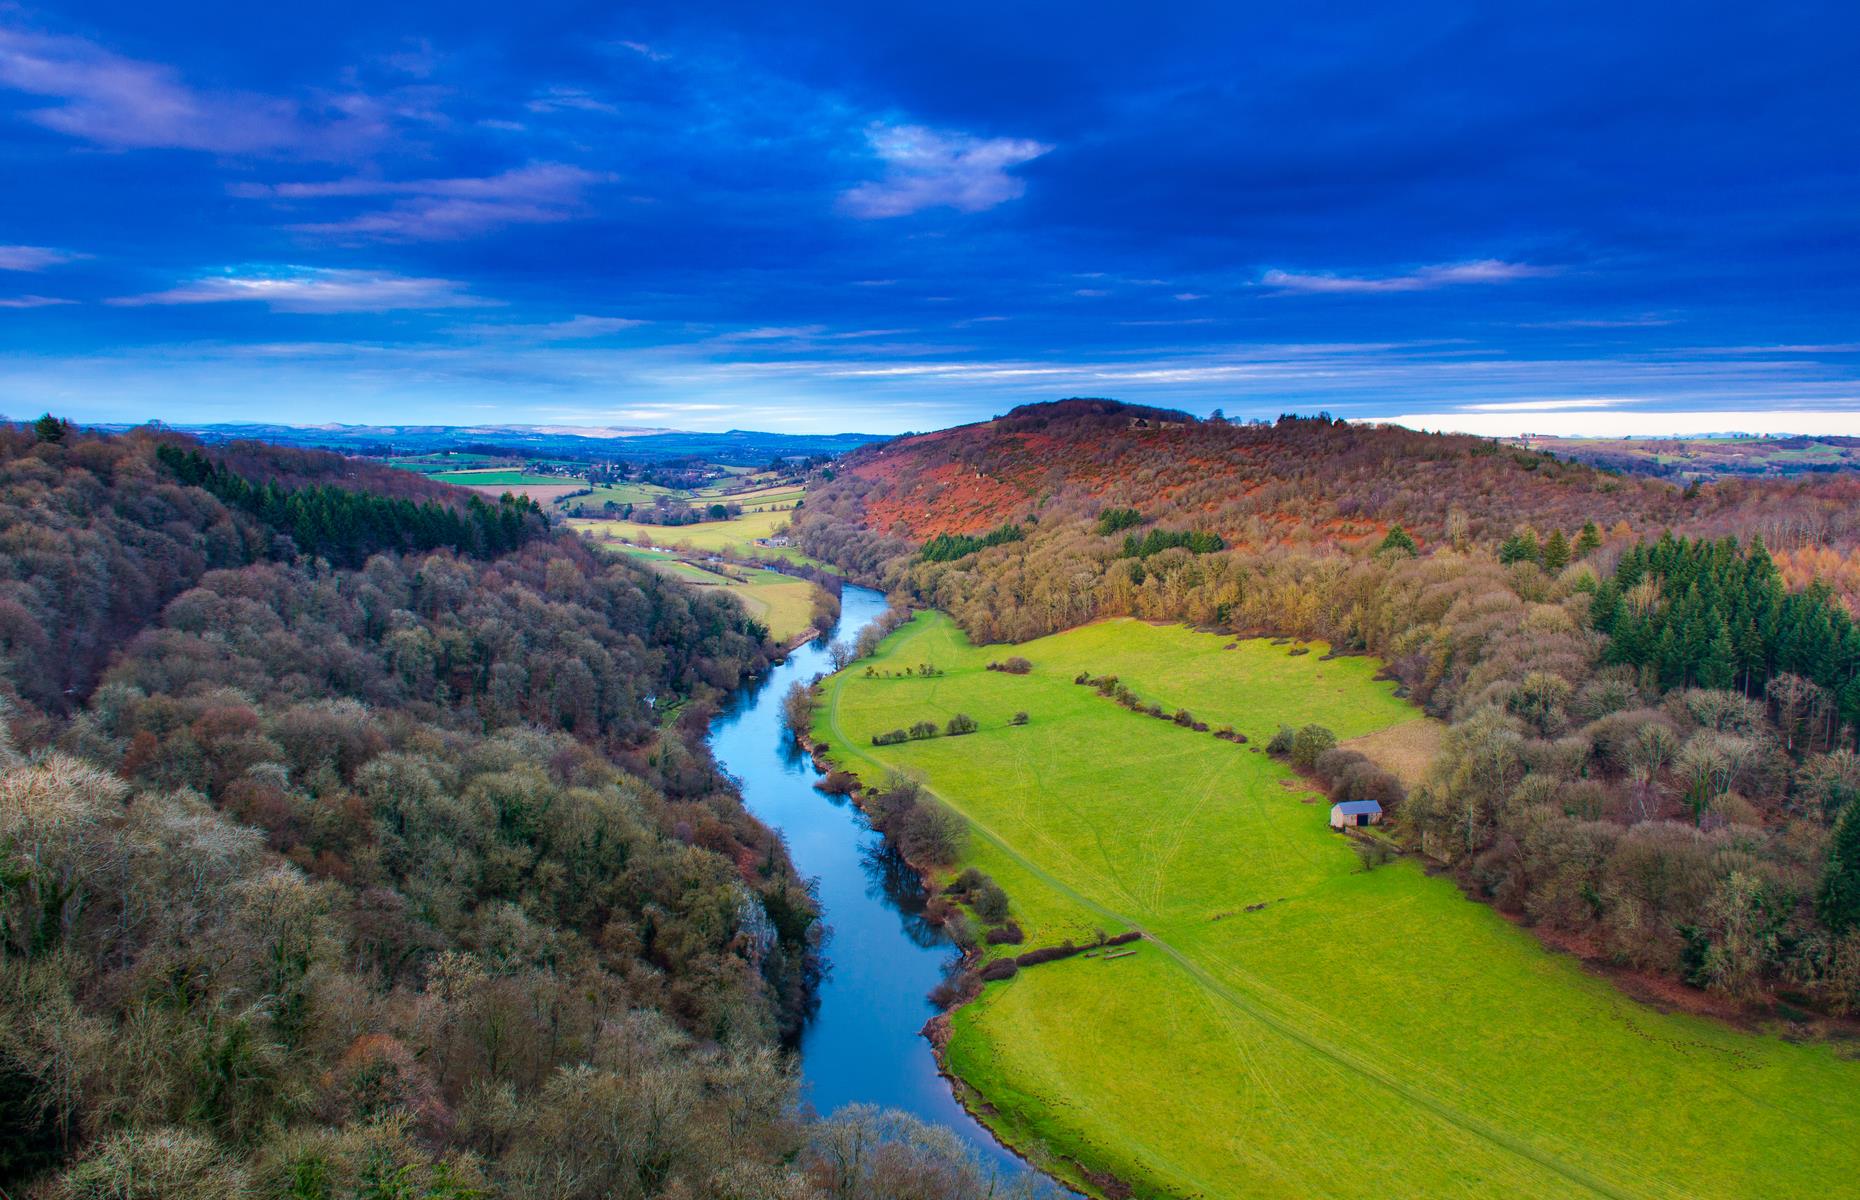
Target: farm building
(1355, 812)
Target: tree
(1589, 540)
(1399, 541)
(1556, 552)
(50, 429)
(1838, 901)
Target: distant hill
(636, 444)
(1716, 457)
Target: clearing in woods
(1293, 1025)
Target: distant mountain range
(636, 443)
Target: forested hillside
(379, 871)
(1652, 752)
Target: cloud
(31, 258)
(32, 301)
(1484, 270)
(925, 168)
(573, 329)
(125, 103)
(1644, 423)
(313, 290)
(442, 209)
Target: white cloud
(928, 168)
(439, 209)
(313, 290)
(129, 104)
(32, 301)
(573, 329)
(1637, 423)
(31, 258)
(1484, 270)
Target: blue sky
(1608, 218)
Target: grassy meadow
(736, 536)
(781, 602)
(1294, 1025)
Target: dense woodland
(1651, 746)
(384, 871)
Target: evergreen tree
(1589, 540)
(1556, 552)
(1718, 669)
(1398, 539)
(1839, 899)
(49, 429)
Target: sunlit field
(1293, 1025)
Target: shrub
(1008, 934)
(1016, 665)
(1184, 718)
(1046, 954)
(969, 881)
(990, 903)
(890, 739)
(1001, 968)
(1019, 718)
(1310, 742)
(838, 783)
(1372, 852)
(1281, 742)
(924, 729)
(1082, 678)
(960, 724)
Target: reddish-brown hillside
(1292, 482)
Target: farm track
(1238, 1001)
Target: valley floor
(1293, 1025)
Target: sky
(1554, 218)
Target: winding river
(863, 1045)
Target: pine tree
(1839, 899)
(1556, 552)
(1399, 540)
(1589, 540)
(1718, 669)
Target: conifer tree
(1839, 900)
(1556, 552)
(1589, 540)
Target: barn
(1355, 812)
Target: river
(863, 1045)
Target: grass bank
(1293, 1025)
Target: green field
(1357, 1033)
(736, 536)
(497, 478)
(781, 602)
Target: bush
(960, 724)
(924, 729)
(990, 903)
(1019, 718)
(838, 783)
(1017, 665)
(1310, 742)
(1008, 934)
(1082, 678)
(1281, 742)
(1001, 968)
(889, 739)
(1372, 852)
(1046, 954)
(1184, 718)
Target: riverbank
(863, 1043)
